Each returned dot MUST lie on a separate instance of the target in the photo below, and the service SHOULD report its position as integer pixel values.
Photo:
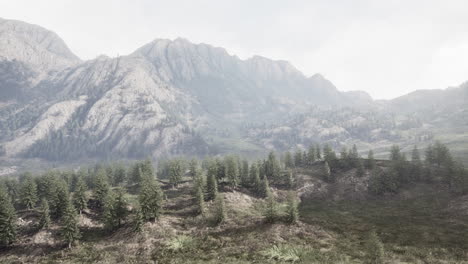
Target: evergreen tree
(120, 206)
(318, 153)
(359, 168)
(416, 164)
(374, 249)
(311, 155)
(220, 213)
(120, 174)
(138, 220)
(29, 193)
(44, 222)
(150, 198)
(292, 208)
(255, 178)
(290, 179)
(288, 160)
(395, 153)
(79, 197)
(298, 158)
(430, 155)
(353, 156)
(7, 219)
(60, 199)
(101, 188)
(232, 172)
(193, 167)
(221, 170)
(265, 188)
(370, 162)
(212, 182)
(271, 208)
(200, 199)
(272, 168)
(245, 180)
(175, 172)
(70, 231)
(344, 158)
(329, 156)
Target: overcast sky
(387, 48)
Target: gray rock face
(169, 97)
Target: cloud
(386, 48)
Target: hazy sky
(387, 47)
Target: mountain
(174, 97)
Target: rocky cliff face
(169, 97)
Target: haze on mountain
(174, 97)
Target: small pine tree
(374, 249)
(150, 199)
(290, 179)
(7, 219)
(70, 231)
(101, 188)
(370, 162)
(138, 220)
(193, 167)
(318, 153)
(264, 188)
(271, 208)
(244, 175)
(292, 209)
(359, 168)
(29, 193)
(220, 213)
(44, 222)
(212, 185)
(200, 198)
(79, 197)
(288, 160)
(175, 172)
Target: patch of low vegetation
(226, 209)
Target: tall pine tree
(7, 219)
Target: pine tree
(220, 213)
(265, 188)
(289, 179)
(416, 164)
(150, 198)
(374, 249)
(200, 199)
(244, 178)
(359, 168)
(175, 172)
(395, 153)
(298, 158)
(370, 162)
(60, 199)
(292, 208)
(29, 193)
(311, 155)
(232, 172)
(44, 222)
(120, 174)
(255, 178)
(138, 220)
(79, 197)
(271, 208)
(272, 168)
(7, 219)
(120, 206)
(101, 188)
(288, 160)
(70, 231)
(318, 153)
(193, 167)
(212, 182)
